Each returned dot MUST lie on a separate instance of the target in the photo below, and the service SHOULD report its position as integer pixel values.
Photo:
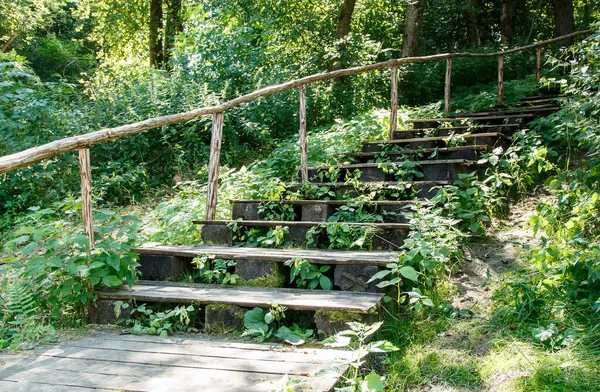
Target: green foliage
(261, 324)
(55, 257)
(357, 339)
(309, 275)
(146, 320)
(208, 269)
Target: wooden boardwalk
(115, 362)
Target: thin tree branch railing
(36, 154)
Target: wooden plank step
(437, 138)
(467, 117)
(459, 128)
(376, 165)
(542, 97)
(298, 299)
(412, 151)
(504, 112)
(327, 202)
(333, 257)
(263, 223)
(378, 183)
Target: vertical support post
(447, 85)
(303, 149)
(213, 165)
(501, 79)
(538, 68)
(85, 172)
(394, 102)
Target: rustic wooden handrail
(81, 142)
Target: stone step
(491, 119)
(460, 152)
(490, 139)
(506, 129)
(386, 236)
(320, 210)
(432, 170)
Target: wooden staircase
(413, 164)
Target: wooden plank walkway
(108, 360)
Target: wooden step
(437, 138)
(505, 129)
(249, 297)
(330, 257)
(510, 111)
(488, 119)
(376, 165)
(321, 210)
(328, 202)
(264, 223)
(464, 152)
(490, 139)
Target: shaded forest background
(70, 67)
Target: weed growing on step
(261, 324)
(355, 339)
(308, 275)
(276, 211)
(211, 270)
(150, 320)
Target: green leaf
(337, 341)
(409, 273)
(325, 283)
(285, 334)
(255, 319)
(379, 275)
(372, 383)
(111, 281)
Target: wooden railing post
(500, 79)
(538, 68)
(394, 102)
(85, 172)
(303, 150)
(213, 165)
(447, 85)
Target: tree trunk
(173, 27)
(156, 27)
(6, 46)
(564, 22)
(412, 28)
(342, 30)
(471, 23)
(506, 21)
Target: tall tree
(342, 30)
(470, 13)
(506, 21)
(155, 41)
(412, 27)
(173, 26)
(564, 22)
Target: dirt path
(488, 259)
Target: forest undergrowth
(536, 325)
